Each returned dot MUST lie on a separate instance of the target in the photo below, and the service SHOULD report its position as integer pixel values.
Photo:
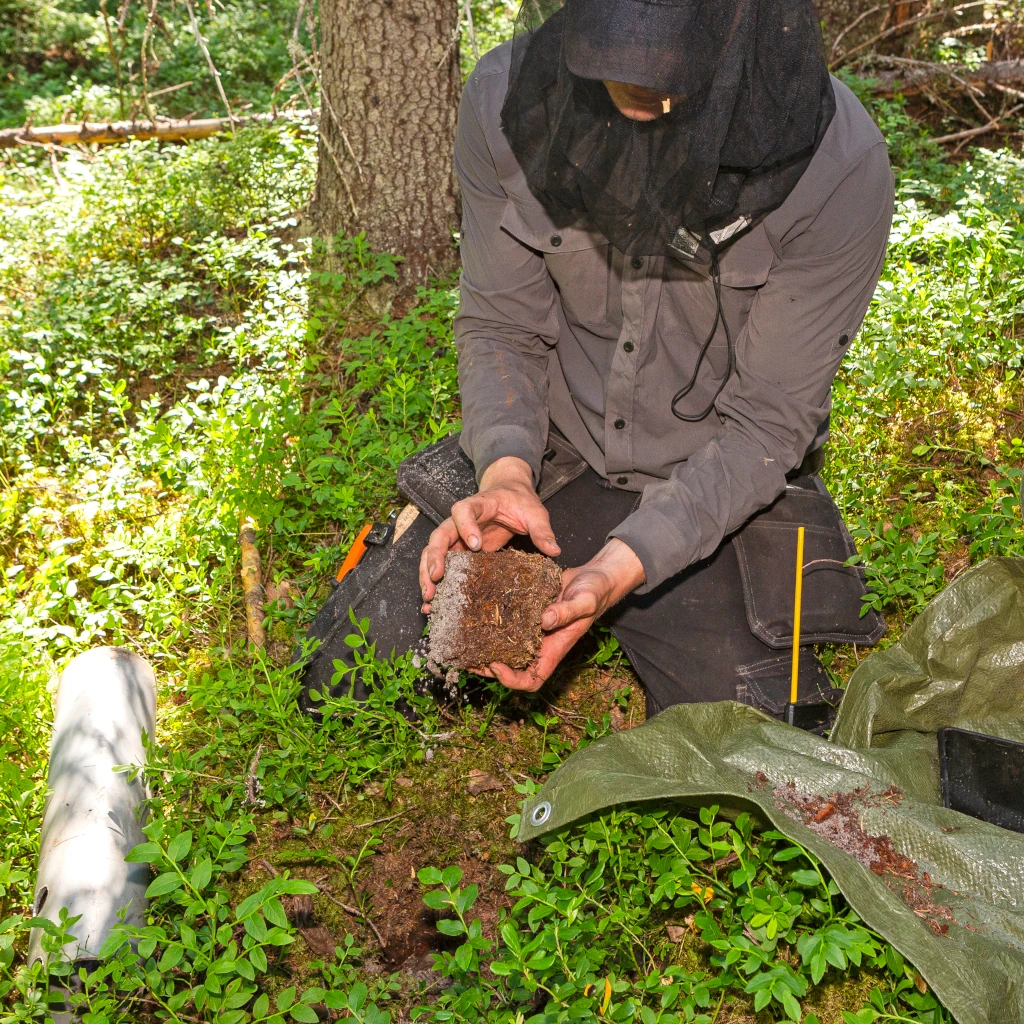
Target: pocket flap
(747, 262)
(533, 227)
(832, 590)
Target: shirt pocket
(744, 267)
(580, 262)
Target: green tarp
(959, 917)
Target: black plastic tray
(983, 776)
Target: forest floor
(171, 366)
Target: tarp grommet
(540, 813)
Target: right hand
(505, 505)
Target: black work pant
(688, 640)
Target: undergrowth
(163, 378)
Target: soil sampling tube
(106, 700)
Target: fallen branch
(911, 77)
(355, 912)
(969, 133)
(252, 585)
(122, 131)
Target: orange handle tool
(355, 552)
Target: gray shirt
(555, 326)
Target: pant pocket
(833, 591)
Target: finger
(528, 679)
(561, 613)
(468, 514)
(432, 558)
(484, 671)
(425, 607)
(538, 522)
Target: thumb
(583, 605)
(539, 526)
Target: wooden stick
(122, 131)
(798, 593)
(252, 585)
(910, 76)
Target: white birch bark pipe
(106, 699)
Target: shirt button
(628, 347)
(637, 263)
(556, 240)
(622, 480)
(620, 423)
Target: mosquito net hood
(745, 99)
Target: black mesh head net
(748, 101)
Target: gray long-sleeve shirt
(555, 326)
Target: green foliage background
(167, 368)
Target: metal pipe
(106, 700)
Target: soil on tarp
(837, 818)
(488, 608)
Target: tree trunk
(389, 96)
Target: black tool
(983, 776)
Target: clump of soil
(837, 818)
(488, 608)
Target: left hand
(587, 593)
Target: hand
(506, 504)
(587, 593)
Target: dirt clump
(837, 818)
(488, 608)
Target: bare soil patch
(837, 818)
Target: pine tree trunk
(389, 96)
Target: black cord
(688, 386)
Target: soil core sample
(488, 608)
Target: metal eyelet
(540, 813)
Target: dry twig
(904, 25)
(970, 133)
(252, 586)
(201, 43)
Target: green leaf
(357, 996)
(274, 913)
(262, 1004)
(304, 1013)
(285, 998)
(179, 846)
(451, 876)
(792, 1006)
(467, 898)
(201, 874)
(169, 881)
(762, 999)
(258, 959)
(448, 927)
(805, 876)
(145, 853)
(298, 887)
(171, 958)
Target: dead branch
(472, 30)
(252, 586)
(853, 24)
(904, 25)
(201, 43)
(911, 76)
(969, 133)
(145, 42)
(122, 131)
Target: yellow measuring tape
(798, 593)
